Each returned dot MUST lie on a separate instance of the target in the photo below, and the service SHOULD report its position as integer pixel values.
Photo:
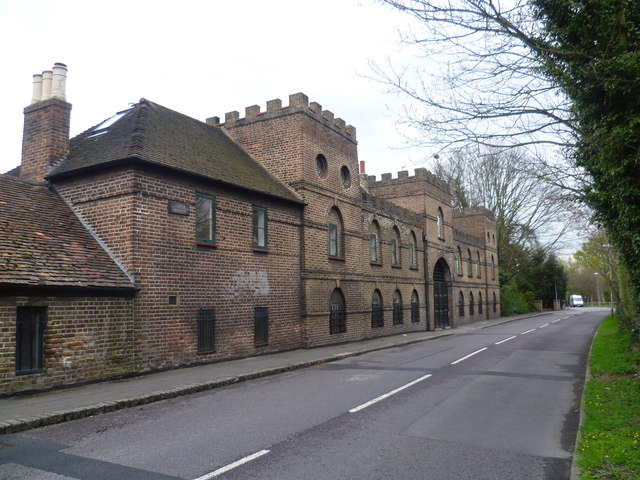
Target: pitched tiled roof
(42, 243)
(151, 133)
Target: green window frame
(205, 219)
(334, 241)
(373, 246)
(260, 232)
(394, 252)
(30, 325)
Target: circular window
(321, 166)
(345, 176)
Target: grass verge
(609, 446)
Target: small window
(493, 268)
(30, 325)
(261, 329)
(440, 223)
(398, 314)
(172, 300)
(321, 166)
(206, 331)
(394, 252)
(415, 307)
(345, 176)
(334, 244)
(461, 304)
(377, 313)
(205, 219)
(413, 257)
(337, 313)
(459, 262)
(478, 265)
(373, 247)
(472, 308)
(469, 264)
(259, 227)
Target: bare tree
(531, 213)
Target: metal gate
(441, 304)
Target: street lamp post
(598, 297)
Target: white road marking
(528, 331)
(556, 320)
(470, 355)
(505, 340)
(233, 465)
(545, 325)
(386, 395)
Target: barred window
(398, 314)
(338, 313)
(471, 305)
(461, 304)
(30, 325)
(415, 307)
(261, 328)
(206, 331)
(377, 313)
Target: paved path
(24, 412)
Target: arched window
(495, 303)
(338, 313)
(377, 313)
(493, 269)
(472, 308)
(395, 247)
(374, 243)
(461, 304)
(336, 234)
(398, 315)
(480, 303)
(440, 223)
(415, 307)
(469, 262)
(459, 262)
(413, 255)
(478, 265)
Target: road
(500, 403)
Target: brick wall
(85, 339)
(129, 209)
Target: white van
(576, 301)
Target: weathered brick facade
(301, 249)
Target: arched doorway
(441, 280)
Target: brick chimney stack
(45, 138)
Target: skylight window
(103, 127)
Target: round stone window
(345, 176)
(321, 166)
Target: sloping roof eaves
(43, 244)
(160, 136)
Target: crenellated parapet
(421, 175)
(479, 210)
(298, 102)
(468, 239)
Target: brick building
(154, 241)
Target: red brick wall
(85, 339)
(129, 211)
(45, 137)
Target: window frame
(440, 224)
(413, 252)
(337, 316)
(469, 263)
(257, 229)
(30, 321)
(377, 311)
(415, 307)
(261, 326)
(398, 310)
(461, 304)
(212, 219)
(334, 240)
(206, 326)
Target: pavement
(24, 412)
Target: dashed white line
(545, 325)
(386, 395)
(528, 331)
(233, 465)
(555, 321)
(505, 340)
(470, 355)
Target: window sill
(339, 259)
(396, 266)
(376, 264)
(414, 268)
(260, 249)
(207, 244)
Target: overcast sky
(206, 58)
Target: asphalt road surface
(501, 403)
